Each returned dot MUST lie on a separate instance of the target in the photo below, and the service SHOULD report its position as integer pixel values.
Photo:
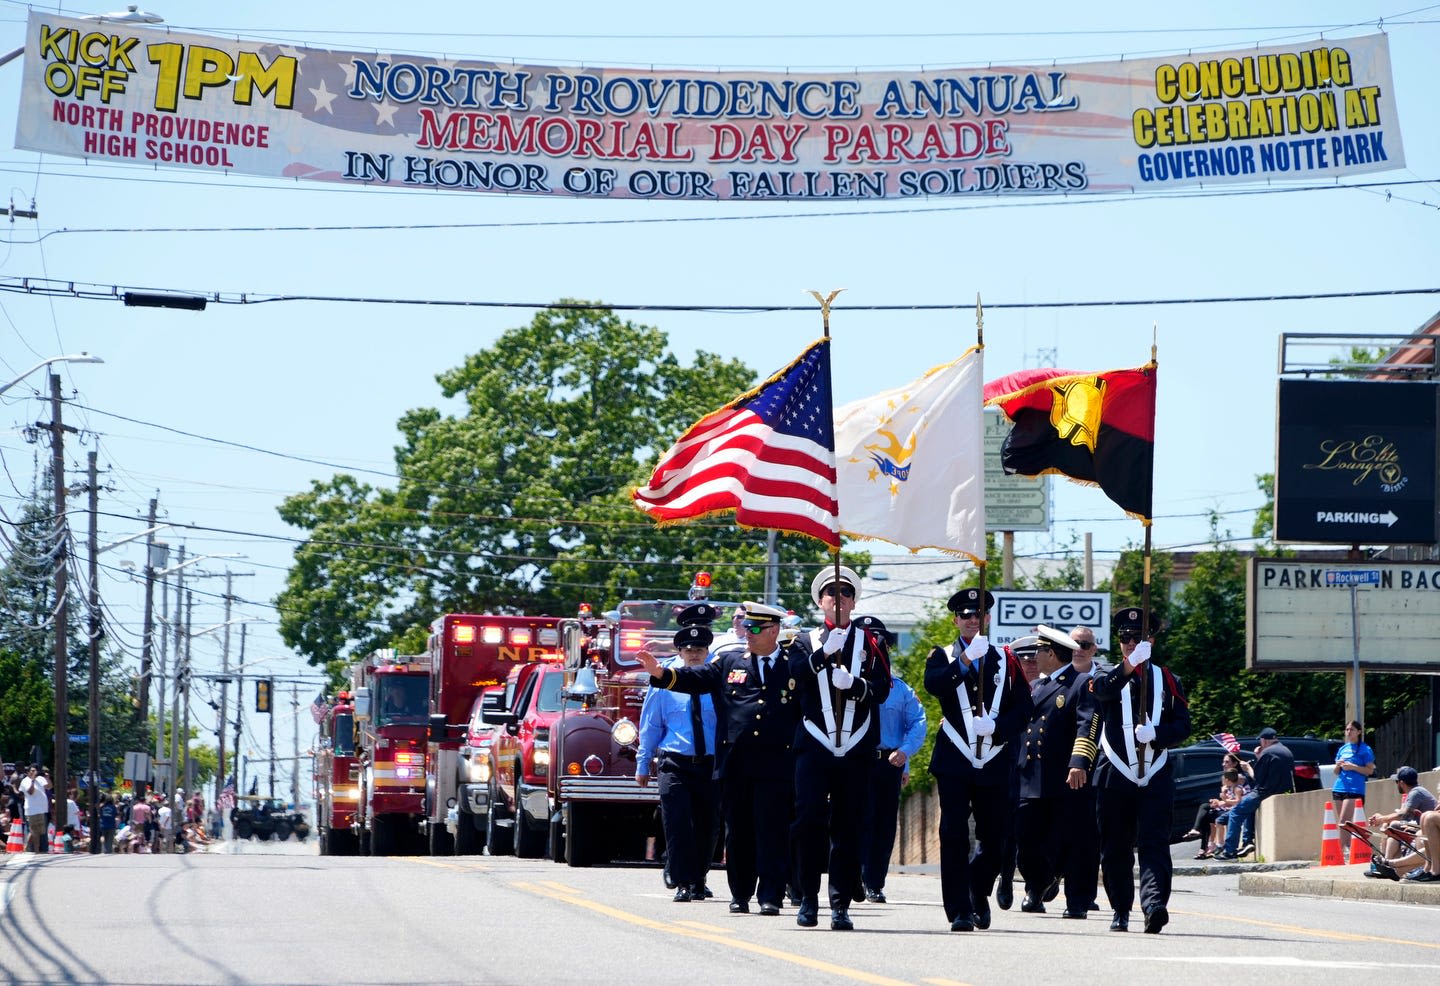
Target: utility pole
(149, 626)
(272, 741)
(156, 559)
(185, 753)
(179, 667)
(239, 714)
(295, 764)
(93, 771)
(57, 431)
(224, 674)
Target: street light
(130, 15)
(82, 358)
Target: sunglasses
(845, 590)
(1129, 638)
(1086, 644)
(755, 628)
(969, 614)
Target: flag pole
(825, 303)
(1145, 586)
(984, 577)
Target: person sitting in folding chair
(1400, 827)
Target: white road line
(1279, 961)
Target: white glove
(841, 678)
(977, 648)
(1141, 654)
(835, 640)
(1145, 732)
(984, 725)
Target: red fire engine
(597, 810)
(519, 814)
(391, 695)
(336, 780)
(469, 657)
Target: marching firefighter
(841, 672)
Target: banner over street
(119, 92)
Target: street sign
(1012, 503)
(1355, 462)
(1016, 614)
(137, 766)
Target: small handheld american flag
(1227, 740)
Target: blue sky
(327, 381)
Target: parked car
(1197, 771)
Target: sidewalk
(1344, 882)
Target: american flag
(226, 801)
(318, 708)
(1227, 740)
(768, 455)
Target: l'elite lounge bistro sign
(1356, 462)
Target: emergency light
(462, 633)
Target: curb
(1222, 868)
(1344, 887)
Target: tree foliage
(521, 503)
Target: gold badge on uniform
(790, 684)
(1059, 701)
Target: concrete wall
(1291, 826)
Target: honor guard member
(1022, 649)
(677, 731)
(757, 718)
(902, 733)
(1055, 821)
(985, 703)
(841, 673)
(1141, 712)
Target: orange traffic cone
(1330, 852)
(55, 844)
(16, 842)
(1359, 845)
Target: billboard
(1017, 613)
(1311, 110)
(1355, 462)
(1298, 615)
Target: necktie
(765, 664)
(697, 725)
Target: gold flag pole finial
(825, 307)
(979, 321)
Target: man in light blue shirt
(902, 732)
(677, 733)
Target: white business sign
(1016, 614)
(1299, 615)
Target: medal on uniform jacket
(735, 677)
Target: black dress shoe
(769, 910)
(875, 896)
(793, 896)
(739, 907)
(962, 923)
(1155, 920)
(981, 917)
(858, 894)
(840, 921)
(1073, 914)
(682, 895)
(1005, 895)
(1092, 906)
(1121, 922)
(1052, 891)
(809, 914)
(701, 892)
(1032, 906)
(669, 883)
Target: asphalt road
(278, 914)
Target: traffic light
(262, 695)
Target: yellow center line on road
(1320, 932)
(713, 929)
(461, 867)
(546, 890)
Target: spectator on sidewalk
(33, 788)
(1354, 762)
(1274, 774)
(109, 816)
(1415, 801)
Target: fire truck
(597, 811)
(470, 657)
(392, 700)
(518, 819)
(336, 777)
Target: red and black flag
(1096, 428)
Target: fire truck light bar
(462, 634)
(492, 635)
(520, 636)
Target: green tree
(521, 503)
